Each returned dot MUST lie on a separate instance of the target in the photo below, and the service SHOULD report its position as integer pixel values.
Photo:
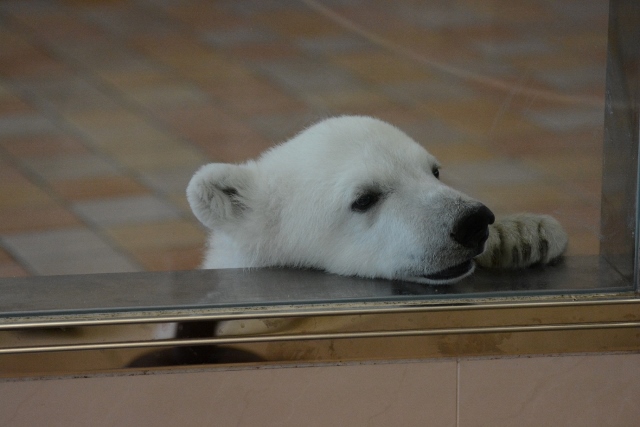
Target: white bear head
(350, 195)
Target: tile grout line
(458, 392)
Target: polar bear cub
(356, 196)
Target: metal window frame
(619, 217)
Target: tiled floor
(107, 108)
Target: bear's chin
(447, 276)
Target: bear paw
(523, 240)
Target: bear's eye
(436, 172)
(365, 202)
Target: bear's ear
(217, 193)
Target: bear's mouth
(452, 273)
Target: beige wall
(584, 390)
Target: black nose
(472, 229)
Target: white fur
(293, 205)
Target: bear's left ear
(217, 192)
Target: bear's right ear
(217, 193)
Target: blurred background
(108, 107)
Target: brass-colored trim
(318, 336)
(336, 311)
(290, 334)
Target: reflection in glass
(107, 109)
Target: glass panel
(620, 182)
(228, 288)
(108, 108)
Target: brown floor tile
(523, 94)
(171, 259)
(347, 101)
(596, 91)
(574, 166)
(12, 42)
(506, 199)
(236, 151)
(5, 258)
(592, 187)
(13, 270)
(196, 61)
(375, 17)
(214, 70)
(14, 105)
(180, 200)
(9, 267)
(218, 134)
(251, 96)
(382, 67)
(97, 188)
(196, 122)
(10, 174)
(495, 32)
(560, 61)
(167, 96)
(71, 166)
(172, 234)
(117, 128)
(587, 42)
(138, 76)
(479, 118)
(581, 214)
(171, 47)
(401, 116)
(42, 146)
(205, 15)
(74, 93)
(544, 143)
(58, 25)
(258, 105)
(147, 140)
(423, 43)
(296, 23)
(450, 154)
(163, 158)
(282, 127)
(16, 195)
(515, 12)
(32, 64)
(263, 52)
(35, 218)
(583, 242)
